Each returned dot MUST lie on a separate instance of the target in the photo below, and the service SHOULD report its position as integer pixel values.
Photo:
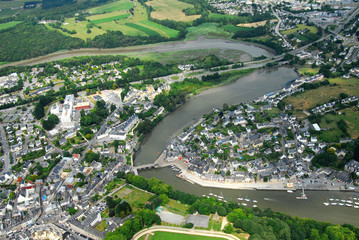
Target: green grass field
(308, 70)
(102, 226)
(113, 6)
(81, 29)
(159, 235)
(168, 31)
(311, 98)
(111, 19)
(208, 30)
(234, 29)
(13, 3)
(299, 27)
(9, 24)
(135, 197)
(170, 9)
(148, 31)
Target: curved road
(151, 230)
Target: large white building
(67, 111)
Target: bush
(188, 225)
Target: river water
(245, 89)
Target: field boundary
(183, 231)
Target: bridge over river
(159, 163)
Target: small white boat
(240, 199)
(247, 200)
(334, 203)
(343, 200)
(331, 199)
(289, 191)
(326, 204)
(254, 205)
(203, 195)
(341, 204)
(349, 201)
(210, 194)
(254, 200)
(337, 199)
(224, 200)
(244, 204)
(355, 198)
(357, 203)
(349, 205)
(356, 206)
(215, 195)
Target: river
(223, 44)
(247, 88)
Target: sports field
(9, 24)
(159, 235)
(170, 9)
(113, 6)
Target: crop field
(13, 3)
(148, 31)
(253, 24)
(209, 30)
(111, 19)
(168, 31)
(299, 27)
(170, 9)
(113, 6)
(9, 24)
(234, 29)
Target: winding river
(245, 89)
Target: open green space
(113, 6)
(300, 27)
(102, 226)
(134, 196)
(168, 31)
(170, 9)
(110, 19)
(234, 29)
(148, 31)
(311, 98)
(177, 207)
(13, 3)
(308, 71)
(208, 30)
(80, 27)
(159, 235)
(9, 24)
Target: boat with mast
(302, 196)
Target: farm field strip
(148, 31)
(113, 6)
(9, 24)
(110, 19)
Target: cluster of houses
(326, 107)
(246, 145)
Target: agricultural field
(299, 27)
(81, 29)
(170, 9)
(234, 29)
(13, 3)
(208, 30)
(159, 235)
(9, 24)
(254, 24)
(113, 6)
(311, 98)
(110, 18)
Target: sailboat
(326, 203)
(302, 196)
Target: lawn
(135, 197)
(9, 24)
(208, 30)
(170, 9)
(81, 29)
(176, 207)
(113, 6)
(111, 19)
(308, 71)
(159, 235)
(102, 226)
(311, 98)
(175, 78)
(299, 27)
(254, 24)
(329, 121)
(13, 3)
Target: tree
(39, 112)
(228, 228)
(164, 198)
(72, 210)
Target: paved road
(277, 26)
(154, 229)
